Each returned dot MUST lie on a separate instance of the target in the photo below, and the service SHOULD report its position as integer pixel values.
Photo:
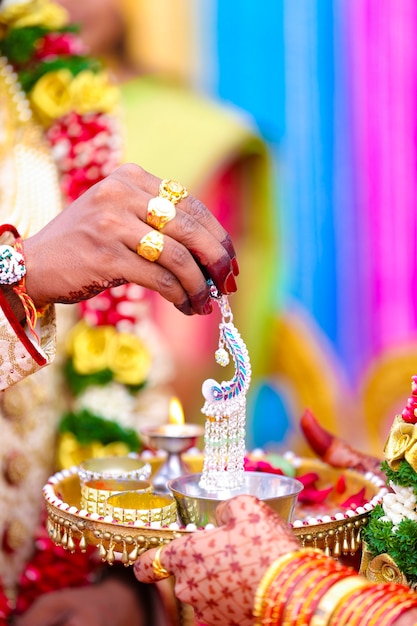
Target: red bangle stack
(307, 588)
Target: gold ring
(172, 190)
(158, 569)
(160, 211)
(151, 246)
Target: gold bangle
(273, 570)
(94, 493)
(131, 506)
(332, 598)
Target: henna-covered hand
(92, 245)
(335, 451)
(218, 571)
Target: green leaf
(19, 44)
(87, 427)
(75, 64)
(79, 382)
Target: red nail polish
(207, 308)
(235, 266)
(230, 283)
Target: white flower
(399, 504)
(112, 402)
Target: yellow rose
(51, 97)
(34, 13)
(90, 348)
(130, 360)
(92, 92)
(71, 452)
(401, 444)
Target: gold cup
(94, 493)
(132, 506)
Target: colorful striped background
(332, 85)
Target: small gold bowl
(131, 506)
(114, 467)
(94, 493)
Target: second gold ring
(160, 211)
(151, 246)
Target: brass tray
(329, 527)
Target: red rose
(59, 44)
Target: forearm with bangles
(306, 588)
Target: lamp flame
(176, 413)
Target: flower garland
(392, 528)
(107, 364)
(71, 96)
(74, 101)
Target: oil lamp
(174, 438)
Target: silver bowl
(197, 506)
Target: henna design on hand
(89, 291)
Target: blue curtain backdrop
(332, 86)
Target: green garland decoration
(75, 64)
(400, 545)
(87, 427)
(19, 43)
(80, 382)
(18, 46)
(405, 476)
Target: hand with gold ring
(103, 239)
(218, 571)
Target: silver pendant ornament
(225, 408)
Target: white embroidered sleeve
(20, 355)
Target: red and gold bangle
(330, 600)
(304, 602)
(360, 611)
(350, 604)
(380, 614)
(271, 583)
(309, 573)
(312, 580)
(395, 612)
(268, 577)
(280, 591)
(281, 587)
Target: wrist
(36, 279)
